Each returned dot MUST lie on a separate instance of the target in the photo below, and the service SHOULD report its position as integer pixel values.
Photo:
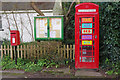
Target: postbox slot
(13, 33)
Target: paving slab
(12, 74)
(64, 70)
(11, 71)
(89, 73)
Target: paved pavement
(78, 73)
(88, 73)
(12, 74)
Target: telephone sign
(87, 25)
(86, 19)
(87, 36)
(86, 42)
(86, 31)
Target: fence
(28, 51)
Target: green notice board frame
(48, 28)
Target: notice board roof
(8, 6)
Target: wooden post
(24, 52)
(37, 52)
(64, 52)
(11, 52)
(18, 51)
(31, 51)
(21, 52)
(5, 50)
(41, 50)
(1, 52)
(8, 49)
(58, 50)
(67, 51)
(70, 51)
(34, 52)
(73, 51)
(28, 51)
(44, 50)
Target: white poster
(55, 27)
(56, 23)
(41, 28)
(52, 34)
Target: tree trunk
(36, 9)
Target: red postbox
(87, 36)
(15, 37)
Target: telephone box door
(87, 41)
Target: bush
(30, 66)
(109, 36)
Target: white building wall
(26, 36)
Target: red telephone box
(15, 37)
(87, 36)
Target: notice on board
(55, 27)
(41, 28)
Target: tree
(66, 12)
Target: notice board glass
(48, 27)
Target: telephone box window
(93, 19)
(80, 19)
(87, 53)
(86, 59)
(93, 31)
(93, 53)
(80, 36)
(86, 47)
(80, 25)
(93, 48)
(93, 25)
(80, 31)
(80, 53)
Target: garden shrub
(28, 65)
